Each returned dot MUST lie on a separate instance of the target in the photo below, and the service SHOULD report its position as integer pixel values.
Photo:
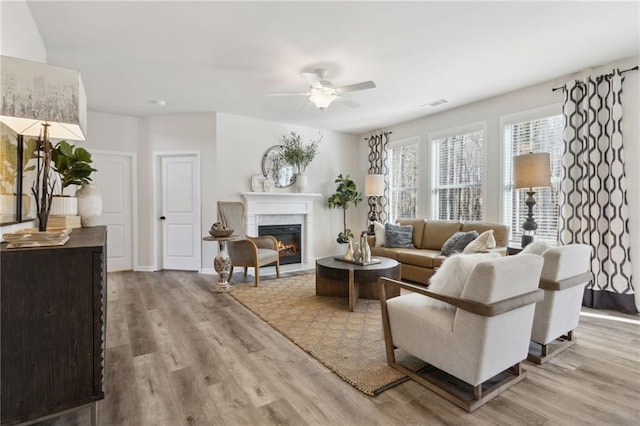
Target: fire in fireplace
(288, 237)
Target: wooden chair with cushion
(478, 339)
(247, 252)
(565, 273)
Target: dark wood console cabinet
(53, 329)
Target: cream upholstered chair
(484, 335)
(565, 273)
(247, 252)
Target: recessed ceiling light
(435, 103)
(158, 102)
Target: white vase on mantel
(89, 205)
(301, 182)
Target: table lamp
(530, 171)
(43, 101)
(373, 188)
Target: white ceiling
(226, 57)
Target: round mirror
(277, 169)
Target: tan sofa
(417, 264)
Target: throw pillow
(450, 278)
(457, 242)
(536, 247)
(378, 229)
(484, 242)
(399, 236)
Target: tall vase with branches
(346, 194)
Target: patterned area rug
(350, 344)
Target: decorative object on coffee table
(531, 170)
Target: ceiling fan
(322, 92)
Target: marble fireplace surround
(282, 208)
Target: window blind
(457, 176)
(403, 182)
(539, 135)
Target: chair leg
(257, 274)
(245, 271)
(278, 268)
(230, 273)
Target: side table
(221, 263)
(513, 249)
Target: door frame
(157, 157)
(133, 157)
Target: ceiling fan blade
(358, 86)
(347, 102)
(313, 79)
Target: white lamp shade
(532, 170)
(373, 185)
(34, 93)
(322, 100)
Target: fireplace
(289, 241)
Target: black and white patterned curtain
(594, 190)
(378, 165)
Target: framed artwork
(274, 167)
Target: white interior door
(114, 178)
(181, 213)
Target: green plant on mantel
(72, 164)
(297, 153)
(346, 193)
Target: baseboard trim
(208, 271)
(144, 269)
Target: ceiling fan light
(322, 100)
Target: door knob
(162, 218)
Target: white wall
(19, 36)
(489, 112)
(243, 141)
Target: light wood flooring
(178, 354)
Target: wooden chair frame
(540, 353)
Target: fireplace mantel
(261, 206)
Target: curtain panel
(378, 165)
(594, 190)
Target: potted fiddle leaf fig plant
(346, 193)
(295, 152)
(73, 165)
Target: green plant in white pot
(295, 152)
(73, 165)
(346, 193)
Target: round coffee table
(343, 279)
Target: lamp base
(526, 240)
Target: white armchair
(484, 335)
(565, 273)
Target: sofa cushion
(482, 244)
(436, 232)
(457, 242)
(391, 253)
(500, 232)
(420, 257)
(398, 236)
(418, 229)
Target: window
(457, 176)
(542, 134)
(402, 161)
